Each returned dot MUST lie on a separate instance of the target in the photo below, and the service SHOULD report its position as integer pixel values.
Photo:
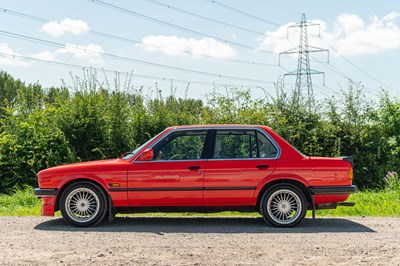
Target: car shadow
(231, 225)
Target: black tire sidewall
(102, 199)
(269, 192)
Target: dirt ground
(200, 241)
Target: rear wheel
(83, 204)
(283, 205)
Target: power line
(69, 65)
(124, 39)
(128, 59)
(132, 13)
(281, 7)
(340, 73)
(244, 13)
(355, 66)
(304, 72)
(342, 56)
(204, 18)
(331, 47)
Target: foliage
(384, 203)
(91, 120)
(392, 181)
(29, 142)
(369, 203)
(20, 202)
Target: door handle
(263, 166)
(194, 168)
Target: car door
(241, 158)
(174, 176)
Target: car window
(265, 147)
(129, 155)
(234, 144)
(182, 145)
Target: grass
(382, 203)
(369, 203)
(21, 202)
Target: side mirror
(147, 155)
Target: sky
(199, 46)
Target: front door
(175, 176)
(241, 159)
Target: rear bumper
(333, 205)
(332, 190)
(48, 197)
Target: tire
(283, 205)
(83, 204)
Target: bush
(31, 143)
(91, 120)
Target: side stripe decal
(180, 189)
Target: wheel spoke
(82, 205)
(284, 206)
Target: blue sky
(363, 38)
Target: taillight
(351, 173)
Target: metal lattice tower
(304, 72)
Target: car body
(200, 168)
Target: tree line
(43, 127)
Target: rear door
(241, 158)
(175, 176)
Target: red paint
(172, 174)
(174, 183)
(48, 206)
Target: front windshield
(131, 154)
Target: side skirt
(148, 209)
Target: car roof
(217, 126)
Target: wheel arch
(81, 179)
(300, 185)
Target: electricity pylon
(304, 72)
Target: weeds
(21, 202)
(383, 203)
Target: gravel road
(200, 241)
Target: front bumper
(45, 192)
(48, 197)
(332, 190)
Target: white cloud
(176, 46)
(45, 55)
(74, 26)
(350, 23)
(7, 58)
(88, 52)
(348, 34)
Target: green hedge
(92, 120)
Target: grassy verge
(20, 203)
(383, 203)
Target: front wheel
(283, 205)
(83, 204)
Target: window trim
(257, 130)
(205, 150)
(210, 141)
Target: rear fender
(269, 181)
